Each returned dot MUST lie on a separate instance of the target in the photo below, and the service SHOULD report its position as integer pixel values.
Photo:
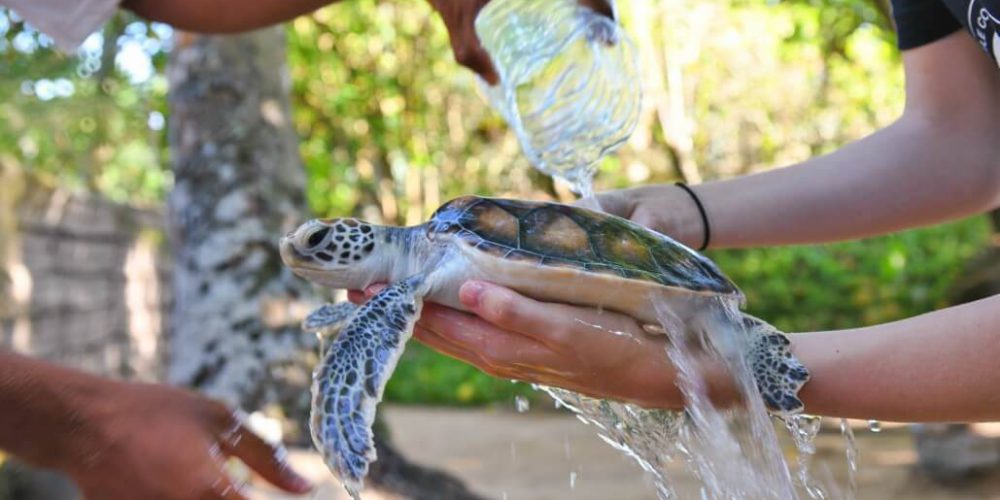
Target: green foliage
(80, 122)
(426, 377)
(853, 284)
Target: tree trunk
(239, 185)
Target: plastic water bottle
(569, 83)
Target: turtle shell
(558, 235)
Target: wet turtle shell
(556, 235)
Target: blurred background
(144, 182)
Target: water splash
(875, 426)
(852, 457)
(734, 453)
(803, 429)
(522, 404)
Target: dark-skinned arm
(128, 440)
(234, 16)
(221, 16)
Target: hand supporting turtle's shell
(548, 251)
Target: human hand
(159, 442)
(667, 209)
(459, 18)
(597, 353)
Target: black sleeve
(919, 22)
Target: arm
(940, 366)
(222, 16)
(122, 440)
(939, 161)
(232, 16)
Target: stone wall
(87, 284)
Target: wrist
(656, 384)
(670, 210)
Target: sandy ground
(542, 455)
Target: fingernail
(471, 293)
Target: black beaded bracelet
(701, 210)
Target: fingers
(472, 55)
(600, 6)
(479, 343)
(360, 296)
(267, 460)
(356, 296)
(554, 325)
(223, 488)
(460, 18)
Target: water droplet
(522, 404)
(572, 480)
(875, 426)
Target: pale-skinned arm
(938, 162)
(940, 366)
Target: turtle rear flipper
(349, 382)
(329, 319)
(778, 373)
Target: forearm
(41, 409)
(939, 161)
(940, 366)
(907, 175)
(222, 16)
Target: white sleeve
(69, 23)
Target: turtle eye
(317, 238)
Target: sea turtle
(548, 251)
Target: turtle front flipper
(778, 373)
(327, 321)
(348, 384)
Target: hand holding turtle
(663, 208)
(598, 353)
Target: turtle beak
(289, 255)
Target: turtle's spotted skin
(546, 251)
(331, 317)
(343, 241)
(348, 383)
(779, 374)
(551, 234)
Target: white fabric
(68, 22)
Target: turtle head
(338, 253)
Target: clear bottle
(569, 82)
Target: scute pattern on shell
(558, 235)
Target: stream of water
(734, 453)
